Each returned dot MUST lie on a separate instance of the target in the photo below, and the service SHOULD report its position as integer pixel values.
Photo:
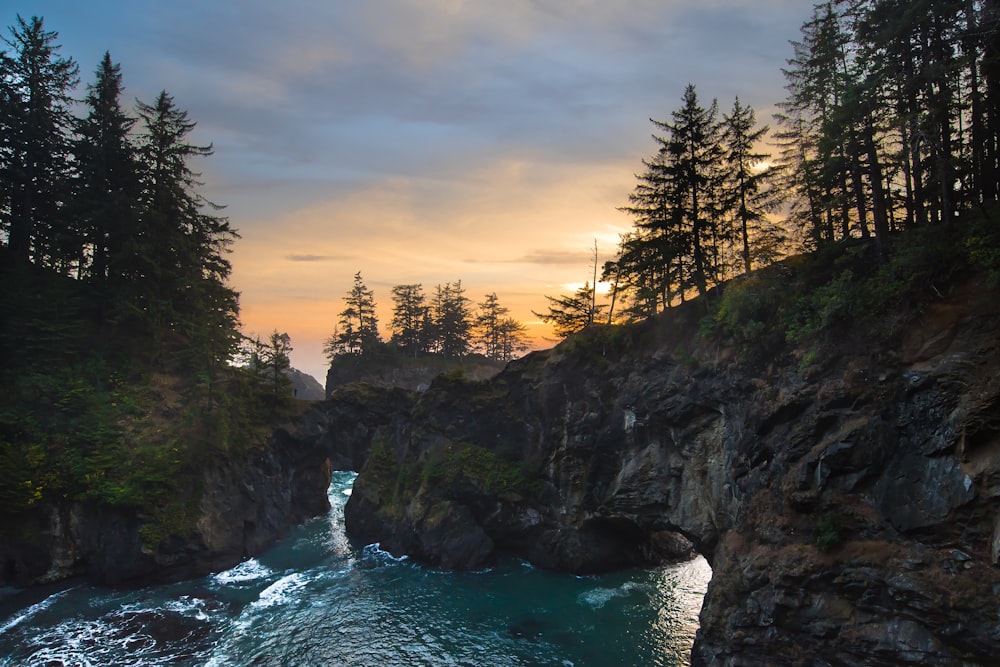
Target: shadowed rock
(849, 510)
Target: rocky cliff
(848, 501)
(304, 386)
(388, 367)
(243, 507)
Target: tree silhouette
(487, 326)
(748, 192)
(106, 189)
(176, 261)
(573, 313)
(358, 323)
(452, 320)
(35, 120)
(408, 318)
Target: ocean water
(318, 599)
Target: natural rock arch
(849, 513)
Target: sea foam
(281, 591)
(248, 570)
(28, 612)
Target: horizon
(424, 142)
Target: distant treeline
(444, 324)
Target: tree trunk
(878, 194)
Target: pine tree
(887, 36)
(487, 326)
(748, 192)
(651, 265)
(678, 206)
(176, 266)
(275, 361)
(811, 78)
(358, 324)
(267, 362)
(511, 339)
(573, 313)
(976, 41)
(798, 173)
(452, 320)
(695, 151)
(106, 191)
(891, 102)
(35, 121)
(408, 311)
(988, 43)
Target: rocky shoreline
(849, 509)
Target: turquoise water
(316, 599)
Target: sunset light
(533, 332)
(424, 142)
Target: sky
(423, 141)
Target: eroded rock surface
(849, 507)
(244, 507)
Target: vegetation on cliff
(454, 470)
(814, 304)
(117, 324)
(442, 327)
(388, 366)
(810, 300)
(81, 424)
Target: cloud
(553, 257)
(425, 140)
(315, 258)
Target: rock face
(304, 386)
(245, 506)
(850, 509)
(404, 372)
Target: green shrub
(746, 305)
(830, 304)
(480, 467)
(982, 245)
(809, 359)
(828, 533)
(598, 343)
(83, 432)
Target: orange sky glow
(497, 232)
(424, 141)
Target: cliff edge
(845, 495)
(238, 507)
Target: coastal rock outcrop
(849, 504)
(304, 386)
(244, 507)
(390, 368)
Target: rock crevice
(849, 511)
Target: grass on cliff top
(846, 291)
(842, 293)
(387, 365)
